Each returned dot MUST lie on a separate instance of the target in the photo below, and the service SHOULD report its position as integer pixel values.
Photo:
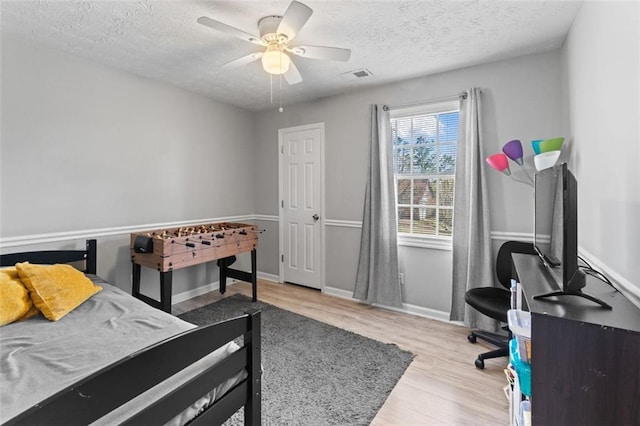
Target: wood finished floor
(440, 387)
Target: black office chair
(494, 302)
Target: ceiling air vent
(357, 74)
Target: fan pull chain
(280, 109)
(271, 88)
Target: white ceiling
(393, 39)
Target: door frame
(281, 198)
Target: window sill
(436, 243)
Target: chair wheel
(480, 364)
(471, 338)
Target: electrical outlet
(401, 278)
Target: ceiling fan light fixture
(275, 61)
(275, 34)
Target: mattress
(39, 358)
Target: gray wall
(87, 147)
(521, 99)
(601, 64)
(150, 153)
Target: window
(424, 164)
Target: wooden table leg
(165, 290)
(135, 288)
(223, 277)
(254, 275)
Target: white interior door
(301, 205)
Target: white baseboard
(406, 307)
(338, 292)
(195, 292)
(332, 291)
(424, 312)
(214, 286)
(268, 277)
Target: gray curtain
(472, 259)
(377, 276)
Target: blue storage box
(520, 325)
(523, 369)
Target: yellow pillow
(56, 290)
(15, 303)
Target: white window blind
(424, 160)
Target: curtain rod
(462, 95)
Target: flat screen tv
(556, 231)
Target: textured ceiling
(395, 40)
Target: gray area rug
(314, 373)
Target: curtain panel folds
(472, 258)
(377, 276)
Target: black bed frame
(100, 393)
(49, 257)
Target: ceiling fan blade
(228, 29)
(292, 75)
(294, 18)
(242, 61)
(322, 52)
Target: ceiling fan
(276, 34)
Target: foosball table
(174, 248)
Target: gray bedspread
(40, 357)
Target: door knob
(315, 217)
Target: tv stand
(584, 359)
(578, 293)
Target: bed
(116, 360)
